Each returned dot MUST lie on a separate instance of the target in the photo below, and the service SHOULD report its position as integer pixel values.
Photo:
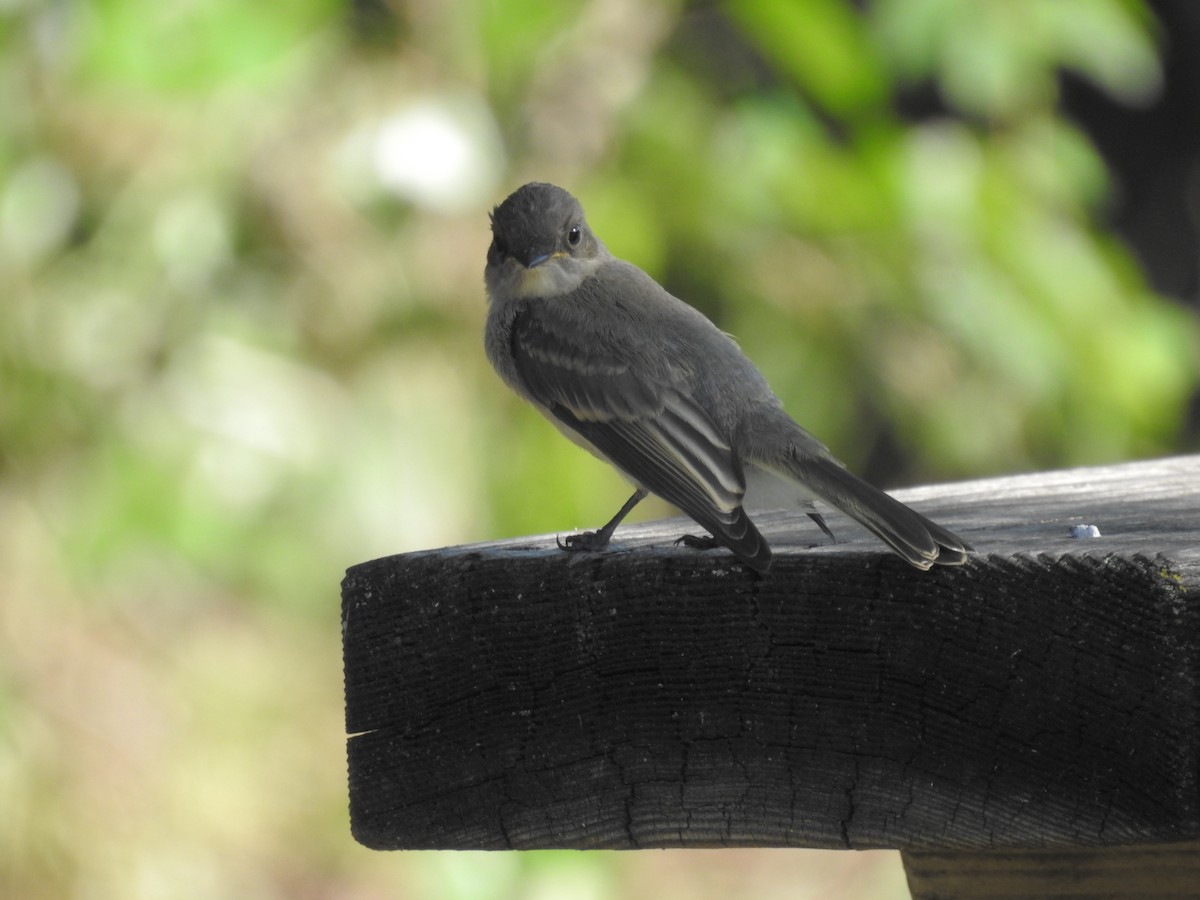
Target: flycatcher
(650, 385)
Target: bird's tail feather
(921, 542)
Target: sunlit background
(241, 252)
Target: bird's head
(541, 245)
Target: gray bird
(650, 385)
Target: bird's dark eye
(574, 236)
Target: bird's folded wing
(635, 412)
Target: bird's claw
(587, 540)
(697, 542)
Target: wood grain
(509, 695)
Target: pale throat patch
(552, 278)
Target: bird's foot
(587, 540)
(697, 542)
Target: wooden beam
(1156, 872)
(510, 695)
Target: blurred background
(241, 254)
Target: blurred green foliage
(241, 249)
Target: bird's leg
(816, 517)
(598, 540)
(708, 542)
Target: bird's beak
(538, 259)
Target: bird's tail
(921, 542)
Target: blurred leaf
(995, 58)
(211, 42)
(515, 36)
(1109, 42)
(822, 46)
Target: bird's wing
(635, 409)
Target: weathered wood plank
(509, 695)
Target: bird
(649, 384)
